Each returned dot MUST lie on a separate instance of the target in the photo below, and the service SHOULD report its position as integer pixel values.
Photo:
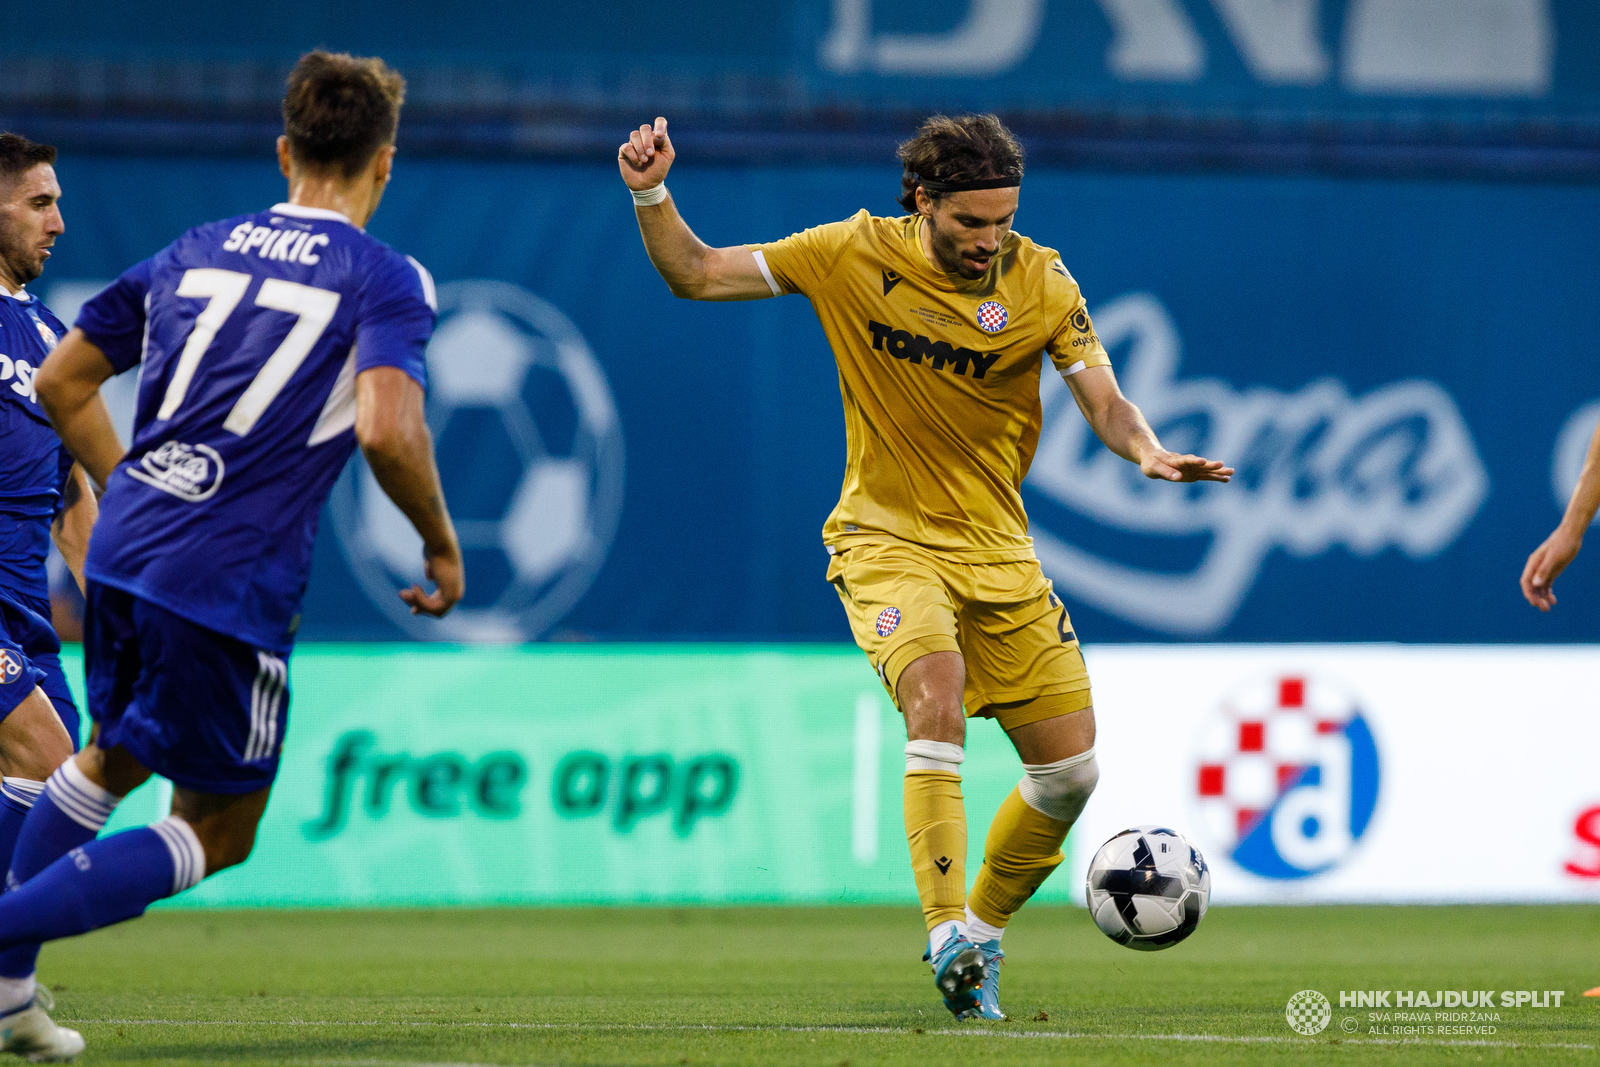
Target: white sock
(21, 791)
(16, 994)
(979, 931)
(944, 932)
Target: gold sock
(936, 828)
(1023, 847)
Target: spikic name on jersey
(912, 347)
(297, 244)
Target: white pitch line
(387, 1063)
(1056, 1035)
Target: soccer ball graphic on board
(531, 457)
(1148, 888)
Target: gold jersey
(940, 378)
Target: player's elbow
(51, 385)
(696, 288)
(382, 439)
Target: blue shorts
(204, 710)
(30, 656)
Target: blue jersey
(33, 464)
(251, 332)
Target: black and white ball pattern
(1148, 888)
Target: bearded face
(966, 229)
(30, 222)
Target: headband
(933, 186)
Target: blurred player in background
(270, 344)
(937, 321)
(43, 495)
(1547, 562)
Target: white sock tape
(649, 197)
(934, 756)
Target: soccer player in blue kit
(43, 495)
(270, 346)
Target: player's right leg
(902, 616)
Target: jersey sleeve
(114, 318)
(395, 318)
(801, 262)
(1073, 345)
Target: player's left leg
(38, 721)
(1023, 846)
(1026, 671)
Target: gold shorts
(1022, 657)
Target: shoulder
(861, 232)
(390, 275)
(209, 235)
(842, 233)
(1042, 266)
(51, 319)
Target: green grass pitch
(780, 986)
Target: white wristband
(651, 196)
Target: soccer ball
(1148, 888)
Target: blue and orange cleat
(958, 973)
(989, 991)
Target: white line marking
(388, 1063)
(655, 1028)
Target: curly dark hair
(18, 155)
(968, 148)
(340, 109)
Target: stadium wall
(418, 775)
(1402, 371)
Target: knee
(1061, 789)
(929, 694)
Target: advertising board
(418, 775)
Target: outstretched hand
(647, 156)
(444, 569)
(1171, 467)
(1548, 561)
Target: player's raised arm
(692, 268)
(393, 432)
(69, 388)
(1119, 423)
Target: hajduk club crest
(992, 316)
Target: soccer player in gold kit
(938, 321)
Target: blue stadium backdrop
(1328, 59)
(1403, 371)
